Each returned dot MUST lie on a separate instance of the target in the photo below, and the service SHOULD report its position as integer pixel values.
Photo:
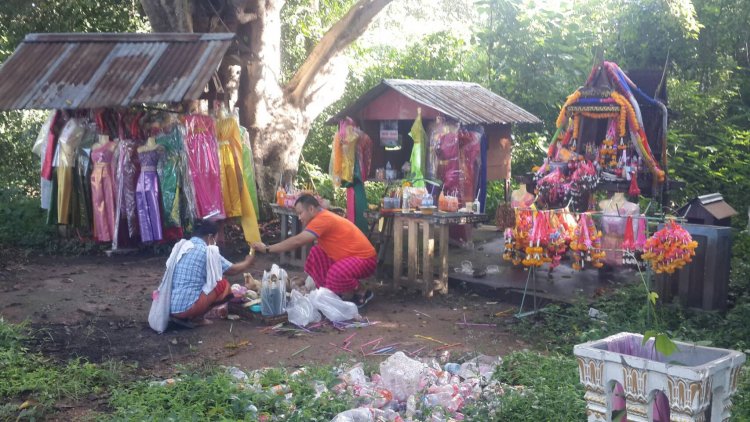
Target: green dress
(170, 174)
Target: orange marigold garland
(669, 249)
(586, 244)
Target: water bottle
(404, 200)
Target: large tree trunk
(277, 117)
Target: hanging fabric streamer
(418, 151)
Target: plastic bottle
(280, 196)
(405, 200)
(452, 367)
(476, 209)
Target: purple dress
(147, 197)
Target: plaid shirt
(189, 276)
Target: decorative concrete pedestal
(698, 381)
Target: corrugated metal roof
(466, 102)
(79, 70)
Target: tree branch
(341, 34)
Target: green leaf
(665, 345)
(652, 296)
(648, 335)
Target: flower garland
(536, 250)
(669, 249)
(517, 239)
(586, 244)
(562, 118)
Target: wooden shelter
(463, 102)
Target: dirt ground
(96, 307)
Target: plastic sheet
(203, 160)
(273, 291)
(332, 306)
(301, 310)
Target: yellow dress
(237, 201)
(70, 139)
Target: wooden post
(428, 253)
(412, 250)
(442, 285)
(398, 249)
(284, 233)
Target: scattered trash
(301, 350)
(422, 313)
(493, 269)
(597, 314)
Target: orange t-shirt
(339, 237)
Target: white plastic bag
(158, 315)
(332, 306)
(301, 310)
(273, 292)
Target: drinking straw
(301, 350)
(430, 338)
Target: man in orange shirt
(342, 256)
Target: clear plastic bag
(402, 375)
(301, 310)
(273, 292)
(332, 306)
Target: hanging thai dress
(170, 175)
(232, 180)
(203, 162)
(126, 182)
(248, 166)
(228, 130)
(70, 139)
(81, 210)
(147, 197)
(103, 192)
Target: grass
(214, 395)
(549, 390)
(32, 384)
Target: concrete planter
(698, 381)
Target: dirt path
(96, 307)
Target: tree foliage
(19, 169)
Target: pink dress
(203, 162)
(103, 193)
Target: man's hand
(259, 246)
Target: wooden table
(433, 227)
(291, 226)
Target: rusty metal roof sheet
(79, 70)
(466, 102)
